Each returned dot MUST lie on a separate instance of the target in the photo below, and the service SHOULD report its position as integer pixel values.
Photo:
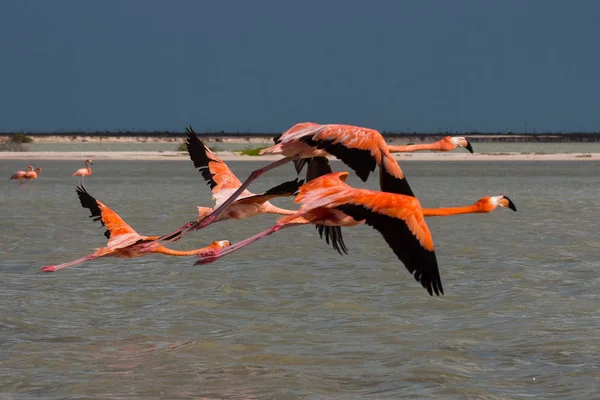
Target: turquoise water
(288, 317)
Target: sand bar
(233, 156)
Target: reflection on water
(288, 317)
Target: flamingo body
(328, 200)
(123, 240)
(83, 172)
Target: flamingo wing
(399, 220)
(117, 231)
(319, 166)
(284, 189)
(354, 146)
(214, 171)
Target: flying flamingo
(223, 183)
(20, 175)
(362, 149)
(83, 172)
(31, 175)
(445, 144)
(328, 200)
(123, 241)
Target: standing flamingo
(123, 241)
(20, 175)
(328, 200)
(362, 149)
(32, 175)
(83, 172)
(445, 144)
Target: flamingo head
(30, 168)
(462, 142)
(89, 161)
(221, 243)
(38, 170)
(498, 201)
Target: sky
(264, 65)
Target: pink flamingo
(83, 172)
(123, 241)
(20, 175)
(328, 200)
(223, 182)
(32, 175)
(362, 149)
(447, 143)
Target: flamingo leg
(209, 256)
(212, 217)
(52, 268)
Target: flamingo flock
(324, 199)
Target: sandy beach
(234, 156)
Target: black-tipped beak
(468, 146)
(511, 205)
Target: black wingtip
(89, 202)
(300, 163)
(469, 147)
(197, 152)
(277, 138)
(333, 234)
(286, 188)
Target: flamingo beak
(467, 145)
(506, 202)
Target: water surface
(288, 317)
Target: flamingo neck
(176, 253)
(416, 147)
(447, 211)
(271, 209)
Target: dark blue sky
(264, 65)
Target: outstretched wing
(284, 189)
(319, 166)
(116, 228)
(214, 171)
(404, 230)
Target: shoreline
(232, 156)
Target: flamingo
(20, 175)
(83, 172)
(223, 183)
(328, 200)
(123, 241)
(362, 149)
(31, 175)
(447, 143)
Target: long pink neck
(415, 147)
(177, 253)
(271, 209)
(447, 211)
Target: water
(289, 318)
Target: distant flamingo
(445, 144)
(123, 241)
(32, 175)
(328, 200)
(20, 175)
(362, 149)
(83, 172)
